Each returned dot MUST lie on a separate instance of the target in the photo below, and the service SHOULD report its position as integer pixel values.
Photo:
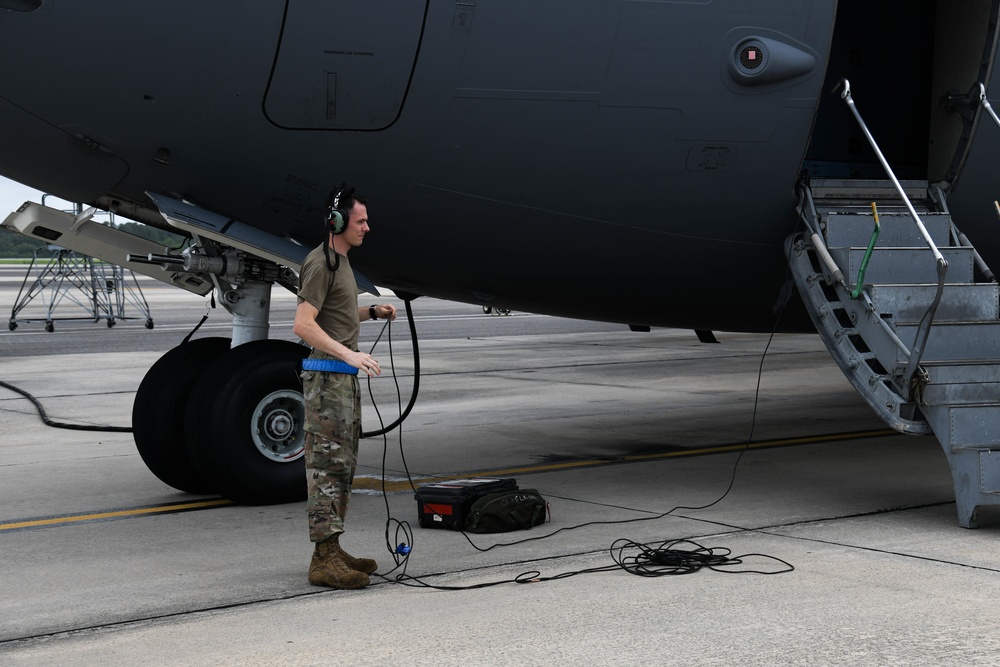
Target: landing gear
(243, 424)
(212, 418)
(159, 408)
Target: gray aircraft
(705, 164)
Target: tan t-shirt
(334, 295)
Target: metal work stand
(98, 289)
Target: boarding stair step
(962, 371)
(966, 426)
(955, 341)
(845, 229)
(959, 301)
(962, 394)
(905, 265)
(862, 190)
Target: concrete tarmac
(627, 432)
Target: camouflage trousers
(333, 427)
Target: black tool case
(447, 504)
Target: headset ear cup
(337, 216)
(337, 220)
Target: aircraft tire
(243, 424)
(158, 412)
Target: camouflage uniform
(333, 400)
(333, 426)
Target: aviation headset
(337, 217)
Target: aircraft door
(344, 65)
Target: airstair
(909, 311)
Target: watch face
(751, 57)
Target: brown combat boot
(327, 568)
(366, 565)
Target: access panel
(344, 65)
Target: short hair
(348, 203)
(348, 197)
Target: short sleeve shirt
(333, 294)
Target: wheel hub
(277, 426)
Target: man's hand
(386, 311)
(364, 362)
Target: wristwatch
(371, 312)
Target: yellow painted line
(375, 484)
(139, 511)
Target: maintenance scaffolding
(91, 289)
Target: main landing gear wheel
(158, 412)
(244, 423)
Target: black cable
(403, 536)
(732, 480)
(651, 560)
(416, 372)
(55, 424)
(84, 427)
(658, 560)
(204, 318)
(666, 559)
(729, 487)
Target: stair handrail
(985, 103)
(958, 236)
(846, 96)
(910, 376)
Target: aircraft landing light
(116, 514)
(369, 483)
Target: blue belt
(329, 366)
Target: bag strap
(538, 507)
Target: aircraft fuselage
(613, 159)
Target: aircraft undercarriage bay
(712, 166)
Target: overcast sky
(13, 194)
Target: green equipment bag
(505, 511)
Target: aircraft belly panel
(636, 277)
(29, 146)
(344, 65)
